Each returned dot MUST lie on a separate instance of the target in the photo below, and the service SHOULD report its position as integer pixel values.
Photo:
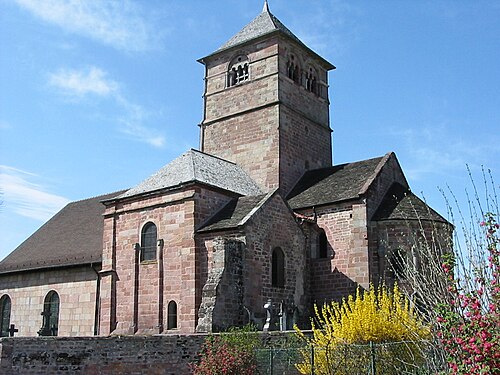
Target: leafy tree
(378, 315)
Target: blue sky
(97, 95)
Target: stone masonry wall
(260, 89)
(305, 134)
(222, 302)
(114, 355)
(135, 294)
(249, 140)
(76, 287)
(409, 236)
(294, 94)
(389, 174)
(275, 226)
(346, 265)
(304, 145)
(269, 125)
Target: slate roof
(72, 237)
(400, 203)
(235, 213)
(196, 166)
(333, 184)
(265, 23)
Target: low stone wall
(151, 355)
(165, 355)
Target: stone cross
(12, 330)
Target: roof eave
(326, 63)
(340, 201)
(442, 220)
(49, 267)
(183, 185)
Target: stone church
(257, 214)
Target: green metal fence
(396, 358)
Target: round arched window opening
(50, 315)
(278, 268)
(292, 69)
(148, 242)
(238, 71)
(5, 307)
(172, 315)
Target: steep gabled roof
(72, 237)
(236, 213)
(334, 184)
(401, 204)
(196, 166)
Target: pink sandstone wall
(271, 126)
(135, 294)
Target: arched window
(5, 306)
(50, 314)
(322, 245)
(278, 268)
(148, 242)
(311, 81)
(238, 71)
(172, 315)
(293, 70)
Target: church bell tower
(266, 104)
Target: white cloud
(132, 124)
(142, 134)
(22, 196)
(94, 81)
(114, 23)
(80, 82)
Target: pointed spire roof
(265, 8)
(264, 23)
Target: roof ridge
(212, 156)
(375, 173)
(117, 192)
(271, 16)
(193, 166)
(266, 7)
(257, 207)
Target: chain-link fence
(396, 358)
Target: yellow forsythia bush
(342, 332)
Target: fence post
(312, 359)
(372, 358)
(271, 361)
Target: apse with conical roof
(266, 105)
